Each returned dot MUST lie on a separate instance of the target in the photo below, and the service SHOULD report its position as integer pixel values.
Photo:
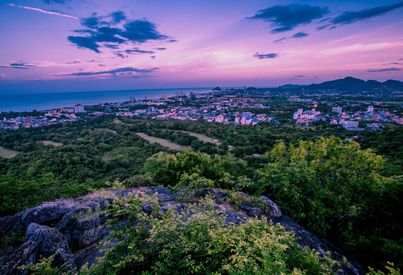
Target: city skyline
(66, 45)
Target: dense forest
(347, 192)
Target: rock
(219, 195)
(252, 210)
(82, 226)
(92, 253)
(163, 194)
(306, 238)
(50, 241)
(45, 213)
(23, 255)
(79, 224)
(235, 217)
(272, 211)
(147, 208)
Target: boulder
(50, 241)
(81, 226)
(272, 210)
(235, 217)
(252, 210)
(45, 213)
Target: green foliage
(18, 194)
(194, 168)
(168, 243)
(45, 267)
(390, 270)
(336, 190)
(324, 184)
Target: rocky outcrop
(76, 232)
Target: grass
(161, 141)
(105, 130)
(202, 137)
(51, 143)
(7, 153)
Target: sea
(29, 101)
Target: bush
(168, 243)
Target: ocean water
(26, 101)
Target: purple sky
(69, 45)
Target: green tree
(325, 184)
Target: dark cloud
(286, 18)
(121, 55)
(115, 72)
(266, 55)
(138, 51)
(73, 62)
(161, 49)
(20, 65)
(392, 69)
(296, 36)
(300, 35)
(84, 42)
(354, 16)
(118, 16)
(394, 63)
(280, 39)
(113, 30)
(299, 76)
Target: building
(337, 109)
(78, 108)
(370, 109)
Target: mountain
(350, 84)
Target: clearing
(105, 130)
(161, 141)
(7, 153)
(202, 137)
(51, 143)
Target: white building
(78, 108)
(370, 109)
(337, 109)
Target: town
(247, 106)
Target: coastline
(29, 101)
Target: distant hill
(350, 84)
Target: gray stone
(252, 210)
(272, 210)
(81, 226)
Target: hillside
(350, 84)
(77, 232)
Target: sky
(83, 45)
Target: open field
(7, 153)
(105, 130)
(51, 143)
(203, 137)
(161, 141)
